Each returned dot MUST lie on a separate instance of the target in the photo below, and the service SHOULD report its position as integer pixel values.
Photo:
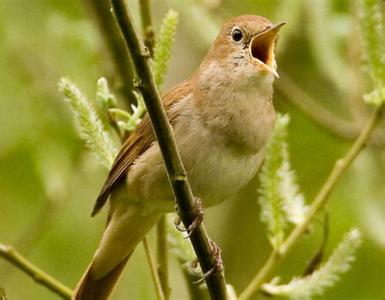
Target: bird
(222, 117)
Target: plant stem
(340, 127)
(162, 247)
(319, 202)
(175, 169)
(153, 270)
(310, 107)
(161, 228)
(147, 249)
(324, 44)
(11, 255)
(122, 62)
(147, 27)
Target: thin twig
(357, 107)
(175, 169)
(147, 27)
(162, 251)
(31, 234)
(338, 126)
(318, 113)
(11, 255)
(122, 62)
(153, 270)
(324, 44)
(147, 249)
(319, 202)
(114, 124)
(161, 228)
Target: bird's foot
(217, 265)
(199, 214)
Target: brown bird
(222, 117)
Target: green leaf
(272, 213)
(325, 277)
(127, 121)
(280, 199)
(104, 96)
(293, 201)
(163, 45)
(89, 124)
(374, 46)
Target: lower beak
(262, 47)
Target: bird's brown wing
(137, 143)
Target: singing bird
(222, 117)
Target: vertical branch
(323, 43)
(154, 274)
(358, 110)
(122, 62)
(161, 228)
(175, 169)
(162, 251)
(147, 27)
(108, 103)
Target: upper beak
(262, 47)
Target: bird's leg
(199, 214)
(217, 265)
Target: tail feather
(127, 226)
(98, 289)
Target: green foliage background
(49, 180)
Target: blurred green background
(49, 180)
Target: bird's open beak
(262, 47)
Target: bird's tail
(89, 288)
(126, 228)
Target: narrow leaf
(374, 45)
(163, 45)
(325, 277)
(104, 96)
(280, 198)
(89, 125)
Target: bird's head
(244, 49)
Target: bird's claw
(177, 223)
(217, 265)
(199, 214)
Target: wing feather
(137, 143)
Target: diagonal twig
(175, 169)
(153, 270)
(338, 126)
(147, 26)
(319, 202)
(15, 258)
(100, 10)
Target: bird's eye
(236, 35)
